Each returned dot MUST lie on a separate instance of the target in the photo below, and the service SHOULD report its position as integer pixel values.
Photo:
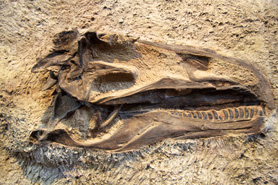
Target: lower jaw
(178, 124)
(159, 124)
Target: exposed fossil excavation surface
(132, 99)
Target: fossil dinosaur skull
(153, 91)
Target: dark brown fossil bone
(198, 97)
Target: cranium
(153, 91)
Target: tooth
(205, 115)
(241, 112)
(251, 113)
(256, 112)
(231, 113)
(189, 114)
(172, 112)
(180, 114)
(184, 115)
(246, 113)
(261, 112)
(210, 116)
(236, 113)
(194, 114)
(226, 114)
(199, 115)
(215, 114)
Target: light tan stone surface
(241, 29)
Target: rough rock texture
(242, 29)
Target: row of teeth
(224, 114)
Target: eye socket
(113, 82)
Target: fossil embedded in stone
(139, 92)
